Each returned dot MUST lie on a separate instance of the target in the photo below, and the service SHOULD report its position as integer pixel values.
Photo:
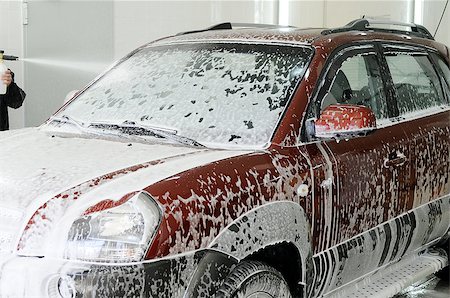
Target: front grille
(10, 224)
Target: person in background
(13, 98)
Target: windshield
(215, 93)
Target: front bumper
(196, 274)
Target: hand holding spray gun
(5, 73)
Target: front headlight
(114, 231)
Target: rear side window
(416, 83)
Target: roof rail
(368, 25)
(262, 26)
(221, 26)
(228, 26)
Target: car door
(366, 180)
(424, 114)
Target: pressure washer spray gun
(3, 69)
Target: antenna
(442, 16)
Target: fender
(266, 225)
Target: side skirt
(399, 238)
(388, 281)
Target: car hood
(36, 166)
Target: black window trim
(434, 56)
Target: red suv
(251, 162)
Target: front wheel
(253, 279)
(444, 272)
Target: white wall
(67, 44)
(302, 13)
(339, 12)
(431, 14)
(11, 40)
(335, 13)
(139, 22)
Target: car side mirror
(345, 121)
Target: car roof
(316, 37)
(280, 35)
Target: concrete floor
(433, 287)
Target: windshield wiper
(70, 120)
(133, 129)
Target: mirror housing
(345, 121)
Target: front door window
(358, 81)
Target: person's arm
(14, 96)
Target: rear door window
(416, 83)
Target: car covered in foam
(268, 162)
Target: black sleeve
(14, 96)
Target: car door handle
(399, 160)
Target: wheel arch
(272, 233)
(285, 258)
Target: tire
(254, 279)
(444, 272)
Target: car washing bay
(260, 148)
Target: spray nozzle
(7, 57)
